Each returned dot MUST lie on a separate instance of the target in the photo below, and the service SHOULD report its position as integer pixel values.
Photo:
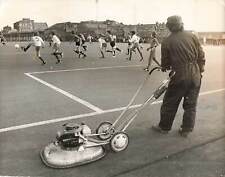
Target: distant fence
(22, 36)
(215, 41)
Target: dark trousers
(173, 96)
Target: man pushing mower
(181, 52)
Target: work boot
(158, 129)
(183, 133)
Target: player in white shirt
(102, 45)
(112, 39)
(56, 47)
(89, 38)
(129, 45)
(135, 45)
(37, 42)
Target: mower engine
(72, 135)
(72, 147)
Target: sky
(197, 15)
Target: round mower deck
(56, 157)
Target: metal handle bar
(159, 91)
(134, 96)
(155, 68)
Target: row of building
(94, 28)
(25, 25)
(23, 31)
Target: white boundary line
(67, 94)
(87, 115)
(84, 69)
(211, 92)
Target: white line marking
(87, 115)
(47, 122)
(211, 92)
(87, 104)
(84, 69)
(69, 95)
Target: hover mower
(76, 144)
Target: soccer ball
(17, 46)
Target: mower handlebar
(158, 68)
(171, 74)
(155, 68)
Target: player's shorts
(2, 40)
(77, 43)
(104, 45)
(56, 46)
(112, 43)
(134, 46)
(37, 49)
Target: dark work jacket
(182, 52)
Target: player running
(89, 38)
(135, 45)
(112, 39)
(37, 42)
(78, 44)
(153, 44)
(102, 45)
(2, 38)
(56, 47)
(83, 40)
(128, 44)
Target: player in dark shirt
(152, 57)
(78, 43)
(2, 39)
(112, 42)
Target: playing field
(36, 100)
